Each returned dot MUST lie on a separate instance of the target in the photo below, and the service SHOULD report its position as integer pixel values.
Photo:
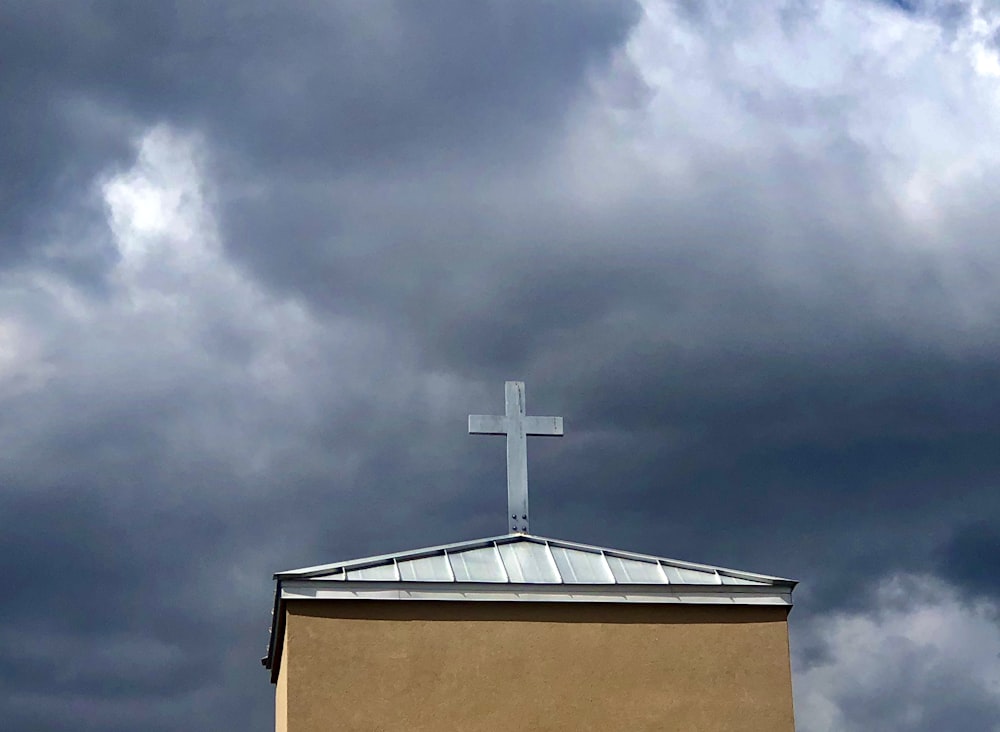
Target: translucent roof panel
(633, 571)
(434, 568)
(527, 561)
(582, 567)
(477, 565)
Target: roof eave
(390, 590)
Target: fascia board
(684, 594)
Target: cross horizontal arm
(487, 424)
(543, 426)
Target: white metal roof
(526, 559)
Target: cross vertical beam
(517, 427)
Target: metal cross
(517, 427)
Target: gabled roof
(524, 558)
(522, 568)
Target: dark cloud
(304, 89)
(971, 558)
(260, 263)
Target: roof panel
(338, 575)
(730, 580)
(434, 568)
(685, 576)
(481, 564)
(576, 566)
(528, 561)
(633, 571)
(378, 572)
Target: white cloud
(811, 137)
(157, 206)
(920, 655)
(814, 80)
(755, 80)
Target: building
(520, 631)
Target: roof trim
(528, 592)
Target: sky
(258, 262)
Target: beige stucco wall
(476, 666)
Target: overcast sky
(258, 262)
